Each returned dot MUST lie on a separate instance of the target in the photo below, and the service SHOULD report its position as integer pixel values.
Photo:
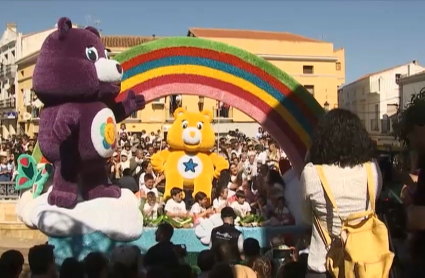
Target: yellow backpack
(362, 248)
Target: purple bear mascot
(78, 84)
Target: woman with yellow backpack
(339, 187)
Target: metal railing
(8, 191)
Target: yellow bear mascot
(189, 162)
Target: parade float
(80, 211)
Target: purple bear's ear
(93, 30)
(64, 25)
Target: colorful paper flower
(107, 131)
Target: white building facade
(411, 85)
(375, 98)
(10, 51)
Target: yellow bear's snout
(191, 136)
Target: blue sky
(375, 34)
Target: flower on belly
(107, 131)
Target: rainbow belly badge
(33, 172)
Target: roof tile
(125, 41)
(249, 34)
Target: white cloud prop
(204, 228)
(119, 219)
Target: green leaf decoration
(27, 168)
(41, 178)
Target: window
(133, 115)
(22, 73)
(310, 89)
(338, 66)
(308, 69)
(13, 53)
(6, 57)
(397, 78)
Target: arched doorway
(247, 82)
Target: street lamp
(326, 106)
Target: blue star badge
(190, 166)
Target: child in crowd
(241, 207)
(262, 206)
(221, 201)
(199, 209)
(5, 173)
(175, 207)
(151, 209)
(282, 213)
(148, 186)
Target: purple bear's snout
(109, 71)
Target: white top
(243, 209)
(151, 211)
(262, 157)
(196, 209)
(147, 190)
(142, 179)
(349, 187)
(174, 207)
(219, 203)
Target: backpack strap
(370, 185)
(324, 234)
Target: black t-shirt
(417, 247)
(226, 233)
(161, 254)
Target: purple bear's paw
(134, 102)
(103, 191)
(62, 199)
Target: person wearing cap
(227, 233)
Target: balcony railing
(8, 192)
(8, 70)
(8, 103)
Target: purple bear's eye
(91, 54)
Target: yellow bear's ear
(208, 115)
(178, 112)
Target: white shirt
(197, 209)
(142, 179)
(147, 190)
(151, 211)
(243, 209)
(219, 203)
(262, 157)
(348, 185)
(280, 212)
(174, 207)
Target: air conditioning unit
(27, 116)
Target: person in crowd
(342, 146)
(125, 162)
(175, 207)
(163, 253)
(273, 156)
(252, 250)
(96, 265)
(159, 272)
(221, 270)
(262, 267)
(281, 213)
(72, 268)
(146, 169)
(241, 207)
(116, 169)
(199, 209)
(136, 162)
(128, 182)
(12, 262)
(41, 260)
(414, 192)
(126, 262)
(222, 199)
(148, 186)
(205, 261)
(227, 233)
(292, 269)
(151, 208)
(5, 171)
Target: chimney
(11, 26)
(415, 62)
(408, 70)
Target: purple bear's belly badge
(104, 133)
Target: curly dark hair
(341, 139)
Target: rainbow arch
(185, 65)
